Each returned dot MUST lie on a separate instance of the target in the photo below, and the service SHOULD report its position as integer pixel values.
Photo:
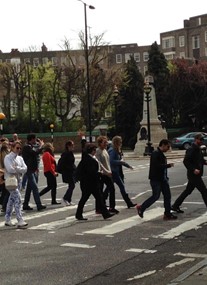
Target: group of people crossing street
(99, 171)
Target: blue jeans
(157, 188)
(120, 183)
(32, 187)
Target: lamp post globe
(51, 131)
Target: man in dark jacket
(88, 169)
(194, 162)
(159, 181)
(30, 156)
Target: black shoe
(81, 218)
(169, 217)
(139, 211)
(55, 203)
(27, 208)
(40, 208)
(177, 209)
(113, 210)
(131, 205)
(107, 216)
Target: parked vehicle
(185, 141)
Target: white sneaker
(9, 224)
(66, 202)
(22, 224)
(71, 204)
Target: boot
(128, 201)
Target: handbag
(11, 182)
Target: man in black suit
(88, 172)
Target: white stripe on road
(194, 255)
(189, 225)
(185, 260)
(142, 275)
(79, 245)
(139, 250)
(127, 223)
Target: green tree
(130, 103)
(158, 68)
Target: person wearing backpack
(66, 166)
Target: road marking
(189, 225)
(194, 255)
(139, 250)
(28, 242)
(185, 260)
(142, 275)
(79, 245)
(127, 223)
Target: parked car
(185, 141)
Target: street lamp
(147, 90)
(29, 96)
(115, 94)
(52, 132)
(2, 117)
(87, 69)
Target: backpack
(60, 165)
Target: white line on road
(189, 225)
(139, 250)
(79, 245)
(142, 275)
(185, 260)
(194, 255)
(127, 223)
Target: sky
(29, 23)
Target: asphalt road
(57, 249)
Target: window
(127, 57)
(196, 42)
(206, 51)
(54, 61)
(182, 54)
(137, 57)
(169, 55)
(145, 56)
(8, 60)
(0, 60)
(118, 58)
(45, 60)
(27, 60)
(181, 41)
(206, 36)
(35, 61)
(168, 42)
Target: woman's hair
(13, 144)
(68, 143)
(48, 147)
(117, 141)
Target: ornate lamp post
(2, 117)
(147, 90)
(29, 96)
(52, 132)
(87, 70)
(115, 94)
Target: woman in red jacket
(50, 173)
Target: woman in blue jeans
(116, 163)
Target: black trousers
(109, 191)
(51, 185)
(87, 191)
(193, 182)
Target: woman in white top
(14, 165)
